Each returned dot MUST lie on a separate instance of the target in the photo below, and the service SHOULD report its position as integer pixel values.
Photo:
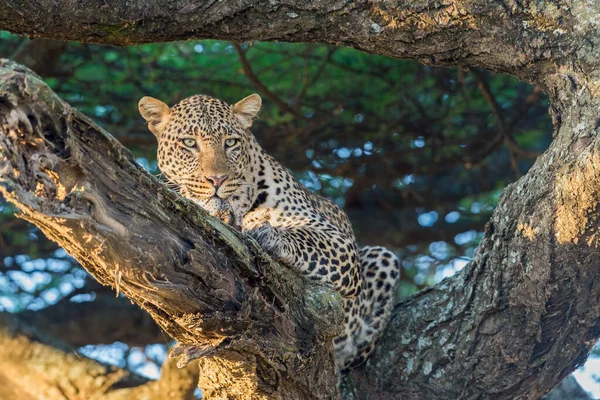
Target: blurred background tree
(416, 155)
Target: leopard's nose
(216, 181)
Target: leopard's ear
(247, 109)
(155, 112)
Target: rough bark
(36, 366)
(527, 39)
(209, 287)
(508, 326)
(519, 318)
(525, 312)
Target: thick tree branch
(209, 287)
(524, 313)
(23, 349)
(515, 37)
(513, 323)
(511, 313)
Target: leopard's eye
(231, 142)
(189, 142)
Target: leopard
(206, 149)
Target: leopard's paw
(266, 236)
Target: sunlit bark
(528, 40)
(209, 287)
(36, 366)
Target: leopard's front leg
(320, 252)
(257, 225)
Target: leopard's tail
(380, 272)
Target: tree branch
(35, 366)
(524, 313)
(500, 36)
(511, 313)
(485, 90)
(209, 287)
(519, 318)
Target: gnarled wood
(209, 287)
(527, 39)
(525, 312)
(513, 323)
(507, 326)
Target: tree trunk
(518, 319)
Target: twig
(316, 75)
(261, 87)
(484, 88)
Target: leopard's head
(203, 142)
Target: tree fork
(519, 318)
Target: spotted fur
(206, 149)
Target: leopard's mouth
(212, 202)
(226, 192)
(205, 193)
(202, 195)
(214, 199)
